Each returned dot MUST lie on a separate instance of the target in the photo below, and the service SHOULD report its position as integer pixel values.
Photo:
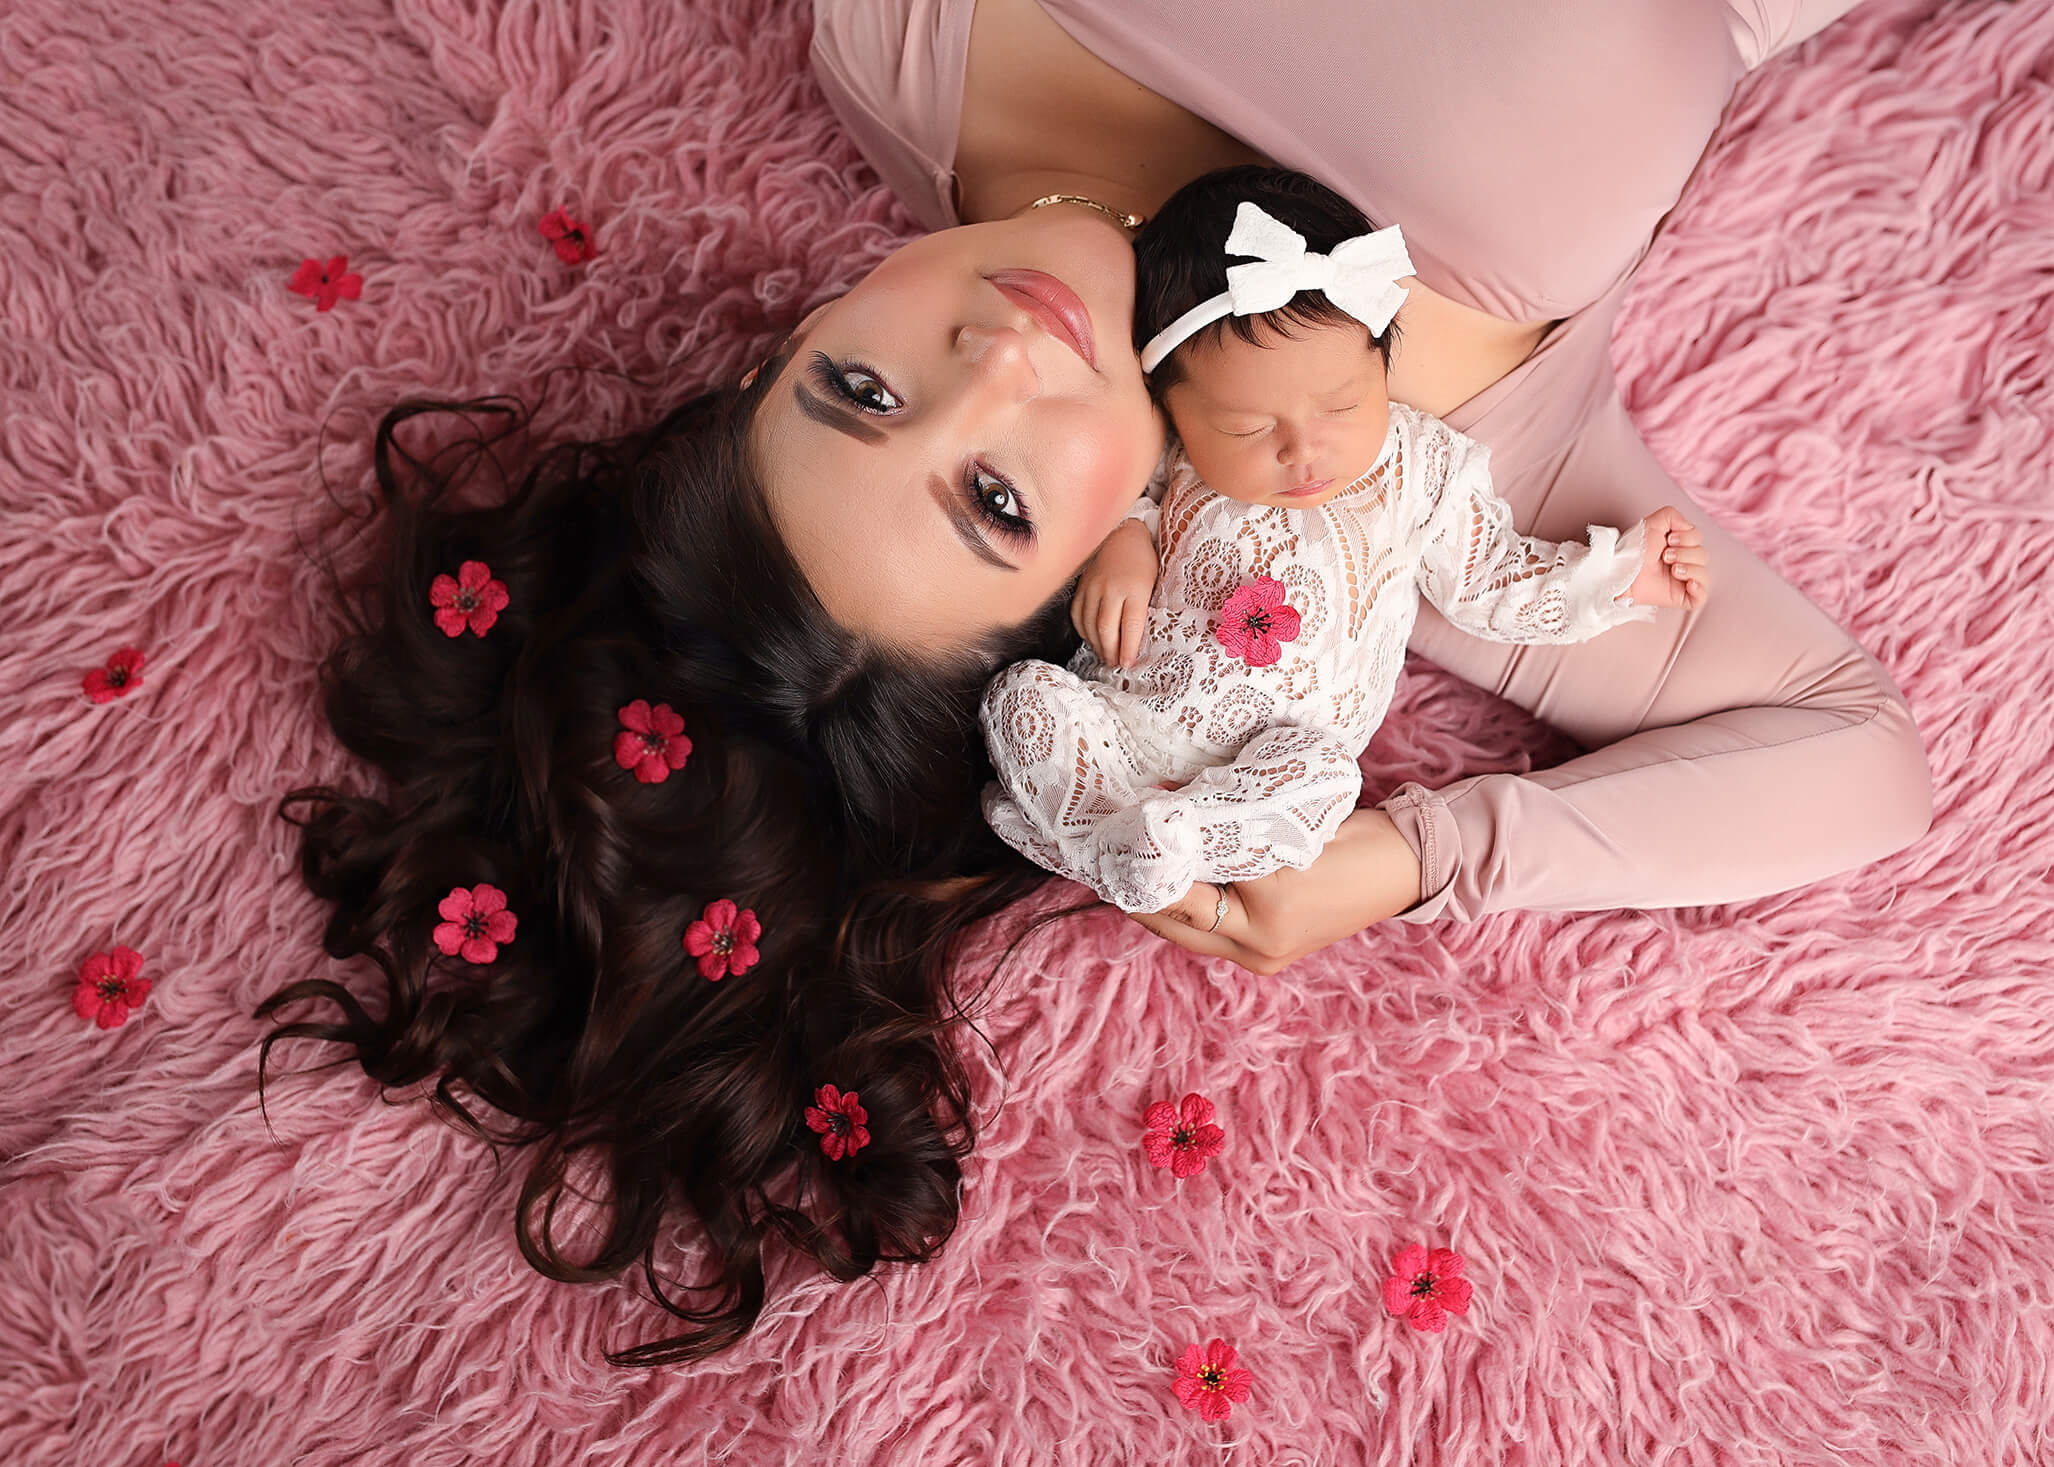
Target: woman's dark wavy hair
(1180, 259)
(832, 787)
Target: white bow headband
(1361, 277)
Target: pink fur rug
(1753, 1185)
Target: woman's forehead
(862, 522)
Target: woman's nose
(998, 356)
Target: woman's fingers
(1179, 923)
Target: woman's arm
(1366, 873)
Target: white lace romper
(1264, 757)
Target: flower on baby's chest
(1256, 621)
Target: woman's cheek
(1106, 466)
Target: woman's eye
(857, 385)
(998, 502)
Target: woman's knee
(1887, 769)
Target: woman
(1530, 155)
(819, 568)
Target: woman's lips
(1054, 305)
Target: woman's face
(950, 441)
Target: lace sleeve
(1148, 508)
(1492, 581)
(1071, 798)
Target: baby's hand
(1110, 609)
(1674, 569)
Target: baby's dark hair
(1180, 259)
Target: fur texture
(1767, 1184)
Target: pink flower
(327, 284)
(724, 940)
(840, 1122)
(651, 742)
(1210, 1383)
(122, 675)
(1256, 622)
(470, 598)
(1182, 1138)
(1425, 1288)
(108, 987)
(474, 923)
(573, 240)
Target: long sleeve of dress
(1492, 581)
(1069, 796)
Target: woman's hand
(1674, 569)
(1365, 874)
(1110, 609)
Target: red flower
(1210, 1383)
(1256, 622)
(651, 742)
(326, 283)
(724, 940)
(1182, 1139)
(470, 598)
(108, 987)
(474, 923)
(573, 240)
(840, 1122)
(1426, 1288)
(121, 676)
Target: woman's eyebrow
(960, 521)
(820, 410)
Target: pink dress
(1530, 152)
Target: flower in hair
(1182, 1138)
(120, 677)
(1256, 622)
(470, 598)
(839, 1120)
(724, 939)
(572, 238)
(108, 987)
(1210, 1382)
(1426, 1287)
(474, 923)
(651, 742)
(327, 283)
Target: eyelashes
(841, 382)
(993, 498)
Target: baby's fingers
(1133, 626)
(1105, 634)
(1084, 612)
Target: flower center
(111, 987)
(1257, 622)
(653, 742)
(117, 677)
(1211, 1377)
(466, 599)
(838, 1123)
(1182, 1136)
(1423, 1286)
(474, 925)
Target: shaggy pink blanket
(1762, 1184)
